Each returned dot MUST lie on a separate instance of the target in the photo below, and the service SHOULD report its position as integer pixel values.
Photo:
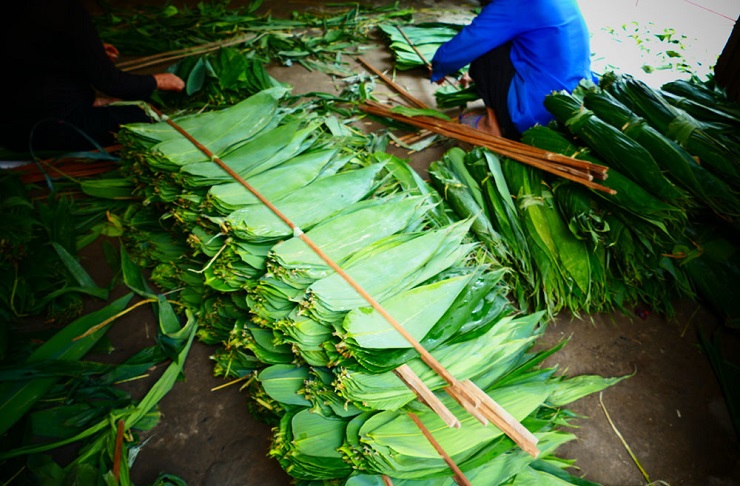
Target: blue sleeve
(494, 26)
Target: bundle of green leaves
(322, 360)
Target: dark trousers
(75, 131)
(492, 73)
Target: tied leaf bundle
(713, 145)
(326, 365)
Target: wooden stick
(118, 450)
(504, 421)
(511, 145)
(425, 355)
(497, 144)
(414, 101)
(387, 481)
(425, 395)
(458, 474)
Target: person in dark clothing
(59, 78)
(519, 52)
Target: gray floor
(670, 413)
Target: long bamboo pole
(548, 161)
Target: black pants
(66, 133)
(492, 73)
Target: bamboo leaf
(17, 398)
(79, 273)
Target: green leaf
(196, 78)
(133, 277)
(79, 273)
(404, 110)
(17, 398)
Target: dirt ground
(670, 413)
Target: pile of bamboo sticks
(576, 170)
(172, 56)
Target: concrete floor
(671, 412)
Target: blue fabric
(549, 50)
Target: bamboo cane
(542, 159)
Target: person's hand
(465, 80)
(169, 82)
(111, 51)
(103, 100)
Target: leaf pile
(319, 360)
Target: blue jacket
(549, 50)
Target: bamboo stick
(425, 395)
(425, 355)
(459, 477)
(499, 142)
(414, 101)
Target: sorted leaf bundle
(326, 362)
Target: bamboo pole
(544, 160)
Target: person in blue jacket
(519, 52)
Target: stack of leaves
(698, 154)
(426, 37)
(555, 267)
(323, 359)
(714, 143)
(583, 250)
